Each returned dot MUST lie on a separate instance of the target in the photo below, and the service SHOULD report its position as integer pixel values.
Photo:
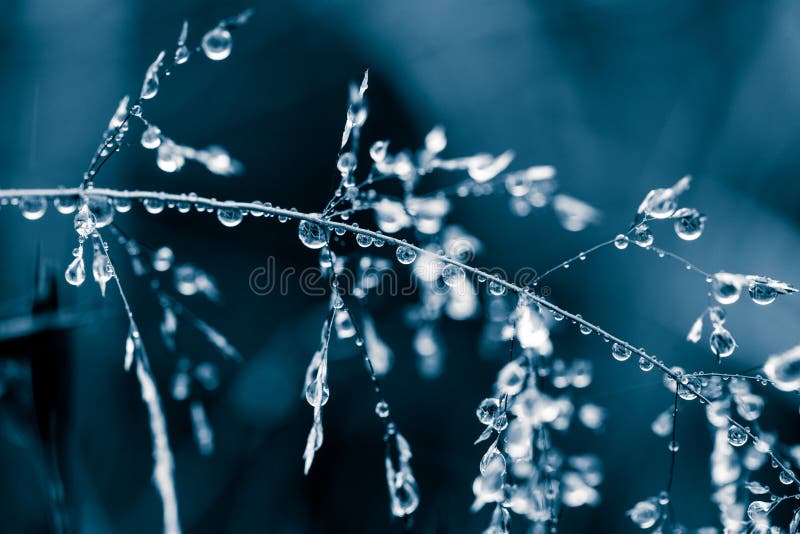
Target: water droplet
(65, 205)
(673, 446)
(488, 410)
(162, 259)
(33, 207)
(317, 393)
(642, 236)
(645, 364)
(783, 370)
(762, 293)
(153, 205)
(621, 241)
(584, 329)
(151, 137)
(726, 288)
(102, 210)
(363, 240)
(511, 378)
(312, 235)
(76, 272)
(181, 55)
(102, 270)
(382, 409)
(346, 163)
(217, 44)
(229, 216)
(736, 436)
(170, 156)
(378, 151)
(496, 288)
(122, 205)
(620, 352)
(644, 514)
(688, 224)
(558, 316)
(84, 222)
(721, 342)
(405, 255)
(151, 83)
(786, 477)
(452, 274)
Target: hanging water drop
(382, 409)
(217, 43)
(726, 288)
(721, 342)
(645, 364)
(151, 83)
(620, 352)
(642, 236)
(33, 207)
(151, 137)
(644, 514)
(363, 240)
(65, 205)
(312, 235)
(229, 216)
(346, 163)
(786, 477)
(762, 293)
(688, 223)
(102, 210)
(488, 410)
(406, 255)
(497, 289)
(76, 272)
(452, 275)
(153, 205)
(170, 156)
(621, 241)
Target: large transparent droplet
(76, 272)
(688, 224)
(406, 255)
(217, 44)
(65, 205)
(33, 207)
(153, 205)
(722, 342)
(645, 513)
(488, 410)
(762, 293)
(726, 288)
(312, 235)
(229, 216)
(151, 137)
(620, 352)
(102, 209)
(621, 241)
(452, 275)
(170, 157)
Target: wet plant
(523, 473)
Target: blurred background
(620, 96)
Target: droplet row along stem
(285, 214)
